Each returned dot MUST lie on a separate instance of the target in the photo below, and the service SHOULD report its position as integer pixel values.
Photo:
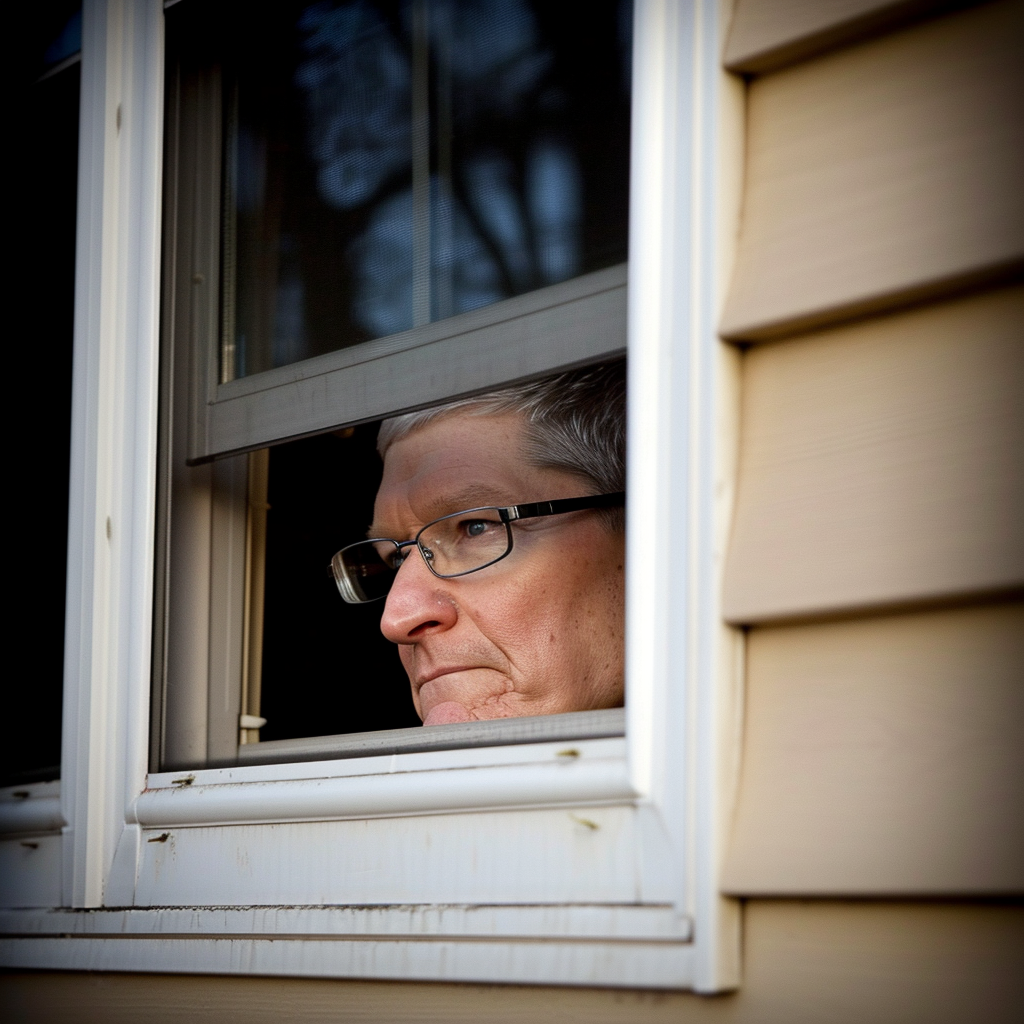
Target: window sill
(527, 775)
(595, 945)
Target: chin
(447, 713)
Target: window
(585, 862)
(418, 200)
(43, 236)
(44, 226)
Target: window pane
(392, 163)
(46, 186)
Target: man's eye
(473, 528)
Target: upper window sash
(555, 328)
(560, 326)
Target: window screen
(388, 164)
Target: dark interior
(326, 666)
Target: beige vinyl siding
(881, 463)
(877, 547)
(884, 755)
(881, 174)
(821, 962)
(766, 35)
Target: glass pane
(392, 163)
(43, 219)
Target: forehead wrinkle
(457, 462)
(438, 505)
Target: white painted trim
(30, 845)
(678, 663)
(411, 921)
(33, 808)
(652, 836)
(551, 962)
(30, 816)
(372, 796)
(30, 874)
(113, 434)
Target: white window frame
(589, 863)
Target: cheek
(405, 655)
(594, 617)
(566, 618)
(515, 615)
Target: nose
(418, 603)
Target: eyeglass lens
(452, 546)
(365, 571)
(463, 542)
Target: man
(498, 539)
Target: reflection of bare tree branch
(505, 186)
(356, 80)
(472, 212)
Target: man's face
(538, 633)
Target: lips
(438, 673)
(448, 693)
(461, 673)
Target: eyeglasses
(454, 545)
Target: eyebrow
(473, 496)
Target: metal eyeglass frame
(507, 515)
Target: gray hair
(575, 422)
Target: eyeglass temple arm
(536, 509)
